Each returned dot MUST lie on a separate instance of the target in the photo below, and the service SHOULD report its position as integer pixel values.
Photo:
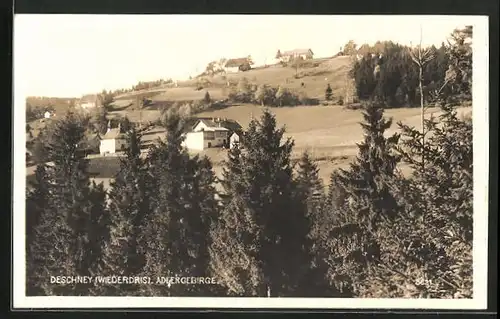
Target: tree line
(274, 229)
(387, 73)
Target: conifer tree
(207, 99)
(69, 238)
(328, 93)
(183, 208)
(365, 189)
(439, 218)
(311, 196)
(128, 207)
(37, 203)
(258, 244)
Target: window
(208, 135)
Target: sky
(72, 55)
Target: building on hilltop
(89, 101)
(239, 64)
(287, 56)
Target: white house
(112, 142)
(47, 115)
(234, 65)
(235, 138)
(89, 101)
(304, 54)
(206, 134)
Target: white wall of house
(46, 114)
(233, 69)
(201, 140)
(111, 146)
(194, 141)
(107, 146)
(233, 139)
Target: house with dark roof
(238, 64)
(287, 56)
(208, 133)
(113, 141)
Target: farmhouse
(89, 101)
(207, 133)
(287, 56)
(239, 64)
(112, 142)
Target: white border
(481, 146)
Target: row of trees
(266, 95)
(274, 231)
(392, 75)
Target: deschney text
(68, 280)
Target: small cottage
(287, 56)
(206, 134)
(113, 141)
(239, 64)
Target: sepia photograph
(250, 161)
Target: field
(329, 133)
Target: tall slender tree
(362, 202)
(128, 207)
(69, 238)
(258, 247)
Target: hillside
(314, 74)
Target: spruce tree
(259, 243)
(37, 205)
(328, 93)
(128, 207)
(69, 236)
(207, 99)
(439, 215)
(183, 208)
(311, 196)
(362, 203)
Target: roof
(297, 52)
(236, 62)
(113, 133)
(229, 124)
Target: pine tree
(311, 196)
(68, 238)
(128, 207)
(183, 208)
(328, 93)
(259, 241)
(439, 215)
(37, 204)
(207, 99)
(362, 203)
